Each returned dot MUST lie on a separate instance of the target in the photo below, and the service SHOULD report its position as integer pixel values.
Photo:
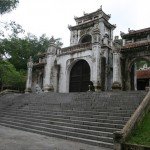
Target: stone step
(72, 116)
(66, 137)
(56, 123)
(79, 122)
(87, 105)
(86, 117)
(62, 132)
(82, 111)
(64, 127)
(96, 122)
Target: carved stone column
(117, 85)
(29, 76)
(50, 58)
(96, 48)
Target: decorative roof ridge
(133, 32)
(92, 13)
(132, 45)
(84, 23)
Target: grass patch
(141, 135)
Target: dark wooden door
(80, 77)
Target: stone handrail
(120, 136)
(8, 91)
(76, 47)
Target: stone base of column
(97, 87)
(28, 90)
(116, 86)
(48, 88)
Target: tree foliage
(16, 51)
(7, 5)
(10, 77)
(10, 29)
(140, 63)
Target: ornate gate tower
(87, 61)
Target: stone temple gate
(136, 46)
(94, 60)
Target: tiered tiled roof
(136, 45)
(93, 14)
(134, 33)
(143, 74)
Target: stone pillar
(29, 76)
(124, 42)
(135, 77)
(50, 58)
(96, 49)
(117, 85)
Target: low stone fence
(8, 91)
(134, 147)
(121, 136)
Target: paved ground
(12, 139)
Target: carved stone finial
(75, 17)
(52, 40)
(30, 59)
(122, 33)
(101, 7)
(115, 25)
(69, 26)
(30, 62)
(109, 15)
(84, 13)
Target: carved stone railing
(121, 136)
(75, 48)
(41, 62)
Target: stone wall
(134, 147)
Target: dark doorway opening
(142, 84)
(80, 77)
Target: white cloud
(53, 16)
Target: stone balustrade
(75, 48)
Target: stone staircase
(89, 117)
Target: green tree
(18, 50)
(7, 5)
(9, 77)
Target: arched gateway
(136, 46)
(80, 77)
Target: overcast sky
(53, 16)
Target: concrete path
(12, 139)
